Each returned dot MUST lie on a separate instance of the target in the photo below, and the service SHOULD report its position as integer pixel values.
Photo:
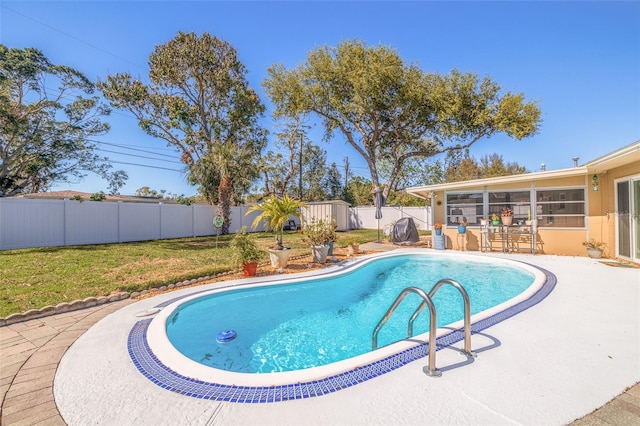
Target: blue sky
(579, 60)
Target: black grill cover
(405, 231)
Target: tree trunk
(225, 193)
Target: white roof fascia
(525, 177)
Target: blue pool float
(226, 336)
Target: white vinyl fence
(365, 217)
(28, 223)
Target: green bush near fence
(35, 278)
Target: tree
(358, 191)
(145, 191)
(280, 170)
(493, 165)
(333, 183)
(47, 115)
(314, 171)
(199, 101)
(389, 111)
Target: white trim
(526, 177)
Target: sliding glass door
(628, 223)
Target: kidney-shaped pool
(297, 337)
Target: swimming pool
(168, 356)
(317, 322)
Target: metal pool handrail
(431, 369)
(467, 310)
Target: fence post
(118, 212)
(64, 221)
(160, 220)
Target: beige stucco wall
(600, 220)
(602, 205)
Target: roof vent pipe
(575, 161)
(543, 167)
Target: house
(86, 196)
(599, 200)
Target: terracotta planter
(250, 269)
(353, 248)
(507, 220)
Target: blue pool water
(316, 322)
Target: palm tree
(231, 166)
(275, 214)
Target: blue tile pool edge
(153, 369)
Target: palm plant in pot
(245, 252)
(315, 234)
(275, 213)
(594, 248)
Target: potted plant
(506, 215)
(495, 219)
(330, 236)
(594, 248)
(352, 245)
(245, 252)
(275, 213)
(462, 227)
(438, 227)
(314, 234)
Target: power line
(137, 156)
(71, 36)
(135, 149)
(145, 165)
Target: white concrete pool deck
(551, 364)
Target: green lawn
(34, 278)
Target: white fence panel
(139, 222)
(203, 215)
(31, 223)
(365, 217)
(176, 221)
(90, 222)
(241, 218)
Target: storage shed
(337, 210)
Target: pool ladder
(427, 300)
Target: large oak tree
(47, 115)
(199, 101)
(391, 112)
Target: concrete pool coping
(551, 364)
